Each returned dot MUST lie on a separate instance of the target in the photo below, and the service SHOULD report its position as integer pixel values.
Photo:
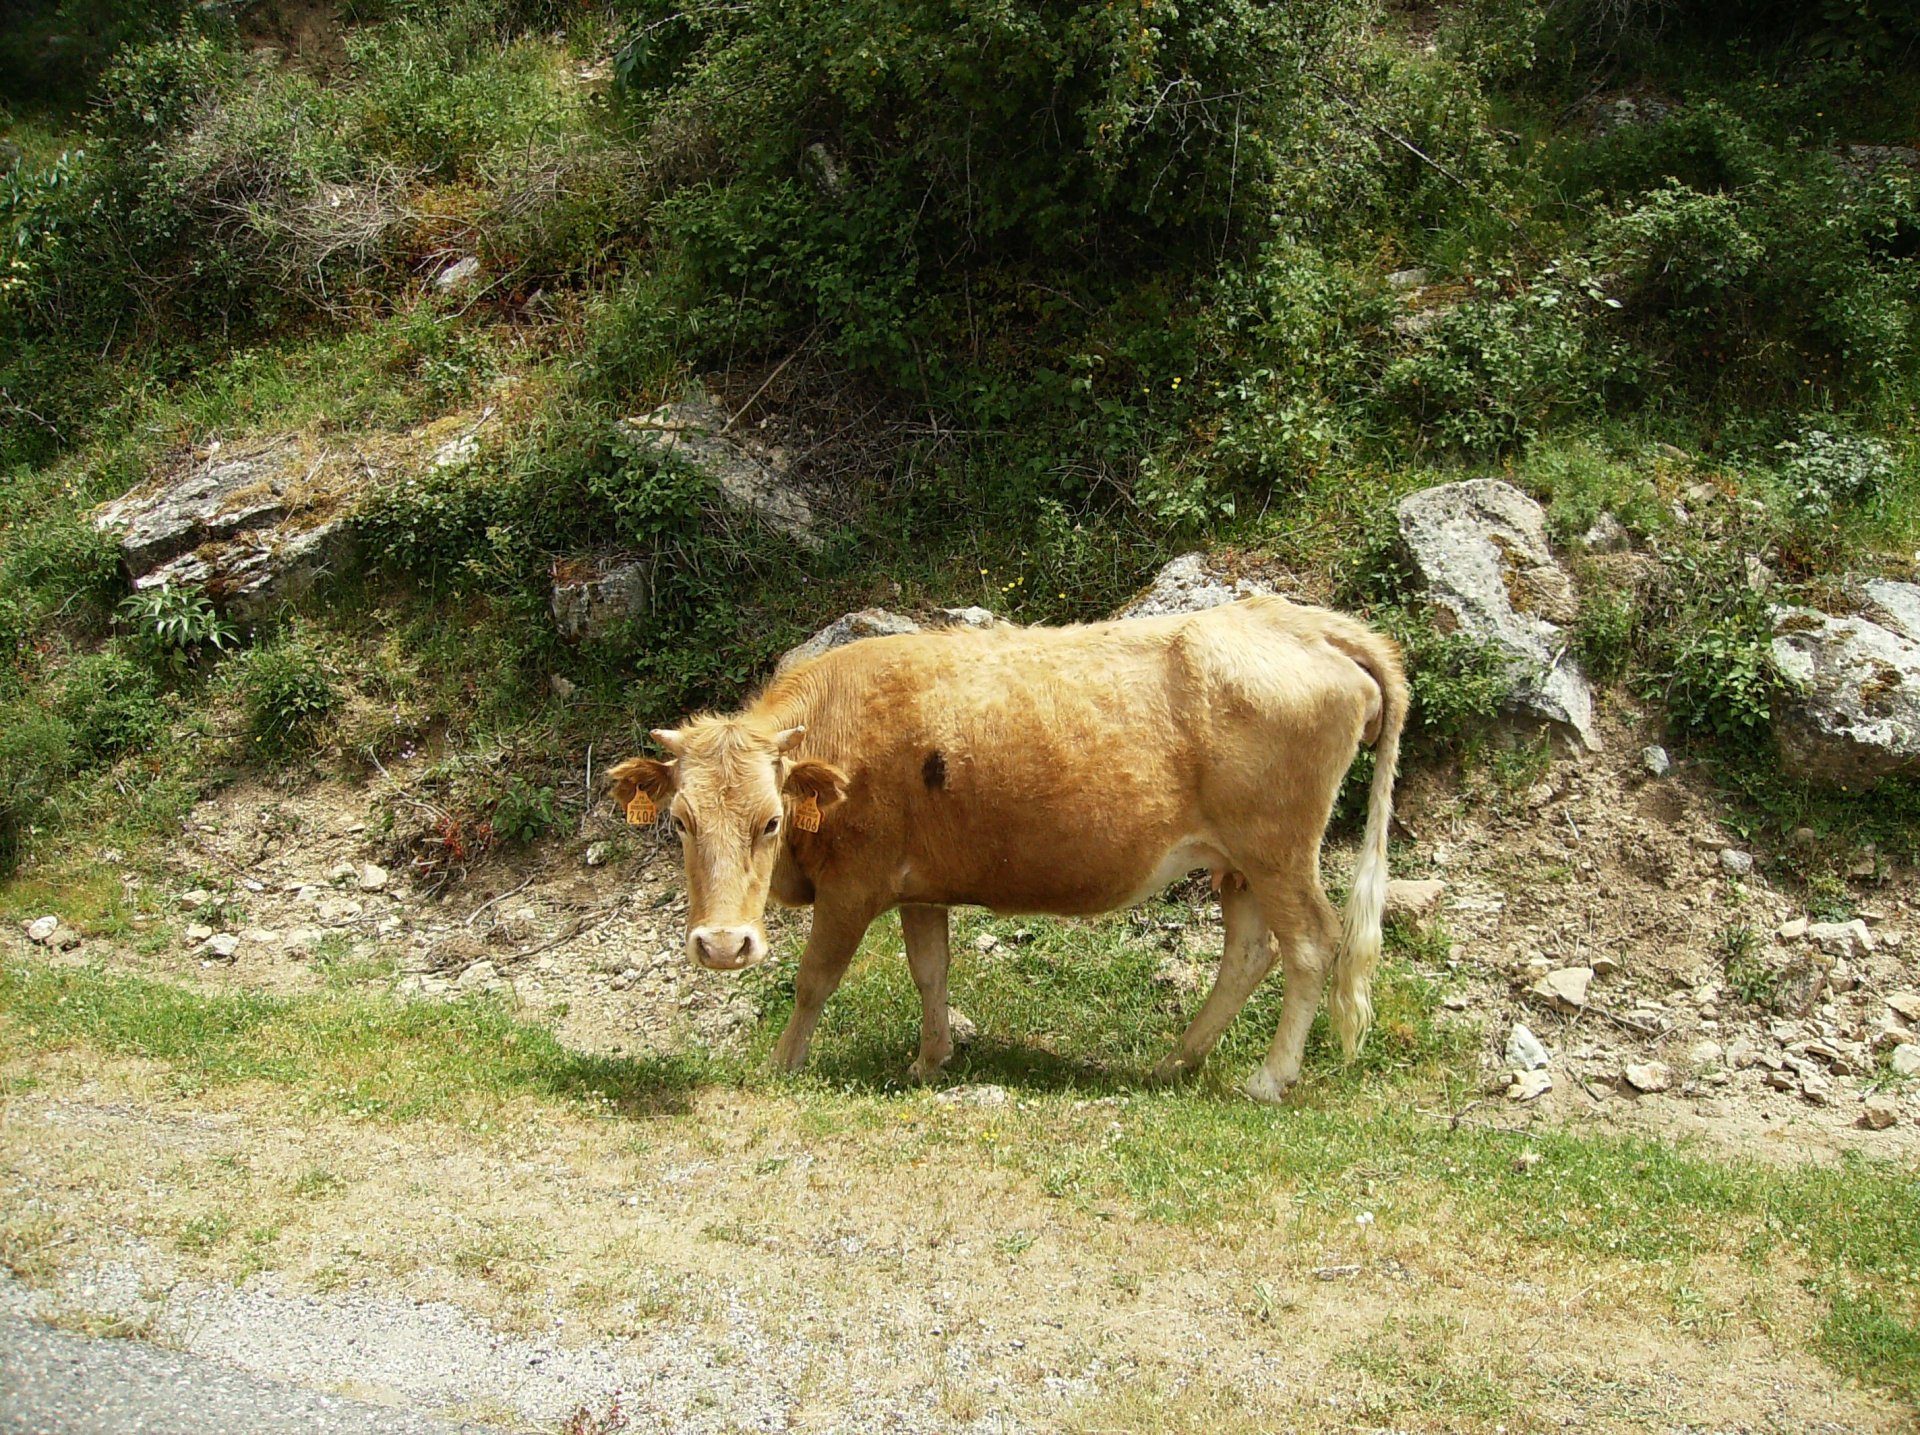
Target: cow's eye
(773, 826)
(680, 827)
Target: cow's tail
(1350, 983)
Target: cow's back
(1053, 769)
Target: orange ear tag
(641, 811)
(806, 814)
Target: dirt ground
(730, 1267)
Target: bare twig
(491, 901)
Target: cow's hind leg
(830, 946)
(1246, 957)
(928, 954)
(1308, 930)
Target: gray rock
(1479, 550)
(976, 1094)
(1705, 1054)
(458, 274)
(1793, 929)
(695, 431)
(1744, 1053)
(867, 623)
(481, 976)
(1855, 715)
(598, 853)
(1799, 987)
(373, 878)
(1608, 535)
(198, 932)
(1906, 1059)
(1529, 1085)
(1907, 1004)
(223, 946)
(1524, 1051)
(1842, 939)
(1566, 987)
(1649, 1076)
(253, 525)
(590, 595)
(1408, 279)
(41, 929)
(1861, 160)
(973, 617)
(1608, 114)
(1189, 584)
(1654, 759)
(198, 897)
(1735, 862)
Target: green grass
(1364, 1138)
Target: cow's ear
(641, 784)
(812, 786)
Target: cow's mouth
(726, 949)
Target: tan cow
(1047, 770)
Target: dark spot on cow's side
(933, 771)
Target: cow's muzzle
(726, 949)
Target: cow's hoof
(923, 1071)
(1175, 1069)
(1262, 1086)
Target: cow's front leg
(928, 953)
(830, 946)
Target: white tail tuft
(1350, 983)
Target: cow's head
(732, 790)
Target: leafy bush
(176, 627)
(36, 757)
(525, 812)
(1827, 471)
(287, 690)
(110, 705)
(1458, 684)
(1714, 667)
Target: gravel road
(53, 1382)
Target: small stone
(1817, 1089)
(1793, 929)
(961, 1027)
(1879, 1111)
(1735, 862)
(224, 946)
(478, 977)
(1891, 940)
(1415, 899)
(561, 686)
(598, 853)
(1906, 1059)
(1907, 1004)
(1839, 939)
(1566, 987)
(1607, 535)
(974, 1094)
(1705, 1054)
(64, 940)
(986, 942)
(198, 932)
(41, 929)
(198, 897)
(1840, 978)
(1783, 1080)
(373, 878)
(1529, 1085)
(1524, 1051)
(1649, 1076)
(343, 872)
(1606, 965)
(458, 274)
(1654, 759)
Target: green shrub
(1606, 631)
(525, 812)
(1826, 471)
(1713, 662)
(110, 704)
(176, 628)
(36, 757)
(288, 692)
(1459, 685)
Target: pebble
(1794, 929)
(598, 853)
(478, 976)
(974, 1094)
(1817, 1089)
(985, 942)
(1529, 1085)
(1907, 1004)
(198, 897)
(1706, 1054)
(1879, 1111)
(1654, 759)
(1736, 862)
(1524, 1050)
(373, 878)
(1906, 1060)
(198, 932)
(1842, 939)
(1419, 900)
(1649, 1076)
(41, 929)
(224, 946)
(342, 872)
(1566, 987)
(1605, 965)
